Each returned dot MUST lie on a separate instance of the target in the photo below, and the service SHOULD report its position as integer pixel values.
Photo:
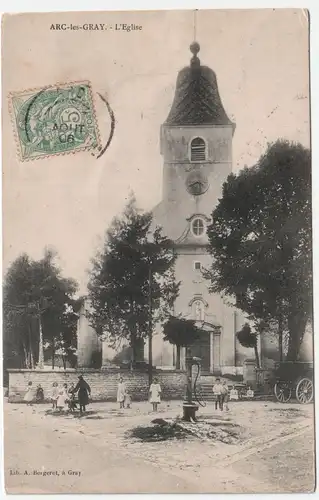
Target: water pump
(190, 407)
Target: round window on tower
(198, 226)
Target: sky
(67, 202)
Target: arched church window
(199, 311)
(198, 149)
(198, 226)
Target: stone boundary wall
(103, 383)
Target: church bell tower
(196, 145)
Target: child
(225, 394)
(62, 397)
(218, 393)
(121, 392)
(28, 397)
(39, 397)
(71, 398)
(128, 400)
(250, 393)
(54, 395)
(155, 394)
(233, 394)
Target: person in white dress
(54, 395)
(29, 395)
(62, 397)
(121, 392)
(155, 394)
(233, 395)
(250, 393)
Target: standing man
(218, 393)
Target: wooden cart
(294, 379)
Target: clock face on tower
(196, 183)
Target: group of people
(65, 397)
(124, 398)
(223, 395)
(220, 391)
(62, 397)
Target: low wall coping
(89, 370)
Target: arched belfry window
(198, 149)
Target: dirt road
(51, 454)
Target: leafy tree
(33, 289)
(260, 240)
(132, 283)
(64, 339)
(248, 338)
(181, 332)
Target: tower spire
(195, 23)
(195, 48)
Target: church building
(196, 146)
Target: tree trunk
(296, 327)
(280, 325)
(178, 357)
(26, 356)
(133, 334)
(133, 349)
(41, 353)
(150, 328)
(32, 358)
(30, 346)
(53, 353)
(257, 355)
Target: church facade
(196, 146)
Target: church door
(216, 354)
(201, 349)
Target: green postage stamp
(54, 120)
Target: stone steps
(205, 389)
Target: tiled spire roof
(197, 100)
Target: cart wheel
(282, 392)
(304, 391)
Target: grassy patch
(163, 430)
(155, 433)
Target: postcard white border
(15, 6)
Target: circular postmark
(56, 120)
(112, 128)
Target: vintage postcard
(157, 286)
